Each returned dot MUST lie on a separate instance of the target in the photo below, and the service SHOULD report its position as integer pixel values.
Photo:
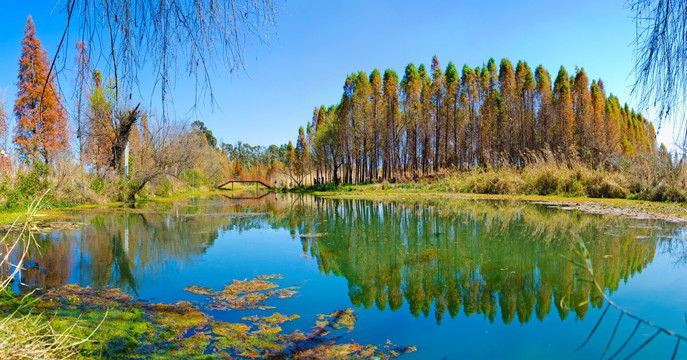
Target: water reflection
(478, 256)
(498, 259)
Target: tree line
(388, 127)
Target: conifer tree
(564, 129)
(101, 135)
(524, 87)
(508, 94)
(582, 106)
(377, 101)
(438, 93)
(452, 82)
(425, 121)
(545, 113)
(596, 125)
(612, 121)
(469, 102)
(41, 129)
(411, 87)
(390, 139)
(362, 110)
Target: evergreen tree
(425, 121)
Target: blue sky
(319, 42)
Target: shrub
(545, 183)
(97, 185)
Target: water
(475, 279)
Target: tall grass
(545, 173)
(23, 333)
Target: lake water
(458, 279)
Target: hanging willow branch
(583, 253)
(165, 36)
(661, 54)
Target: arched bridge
(248, 180)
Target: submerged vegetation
(137, 329)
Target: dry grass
(546, 174)
(654, 179)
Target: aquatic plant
(139, 329)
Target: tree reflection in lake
(480, 256)
(502, 259)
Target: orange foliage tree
(42, 128)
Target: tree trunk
(122, 138)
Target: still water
(456, 278)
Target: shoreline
(632, 209)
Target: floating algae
(135, 329)
(244, 294)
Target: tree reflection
(490, 258)
(499, 259)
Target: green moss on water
(128, 328)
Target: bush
(545, 183)
(97, 185)
(28, 187)
(664, 192)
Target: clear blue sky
(319, 42)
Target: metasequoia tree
(390, 136)
(411, 87)
(564, 133)
(377, 123)
(41, 129)
(489, 116)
